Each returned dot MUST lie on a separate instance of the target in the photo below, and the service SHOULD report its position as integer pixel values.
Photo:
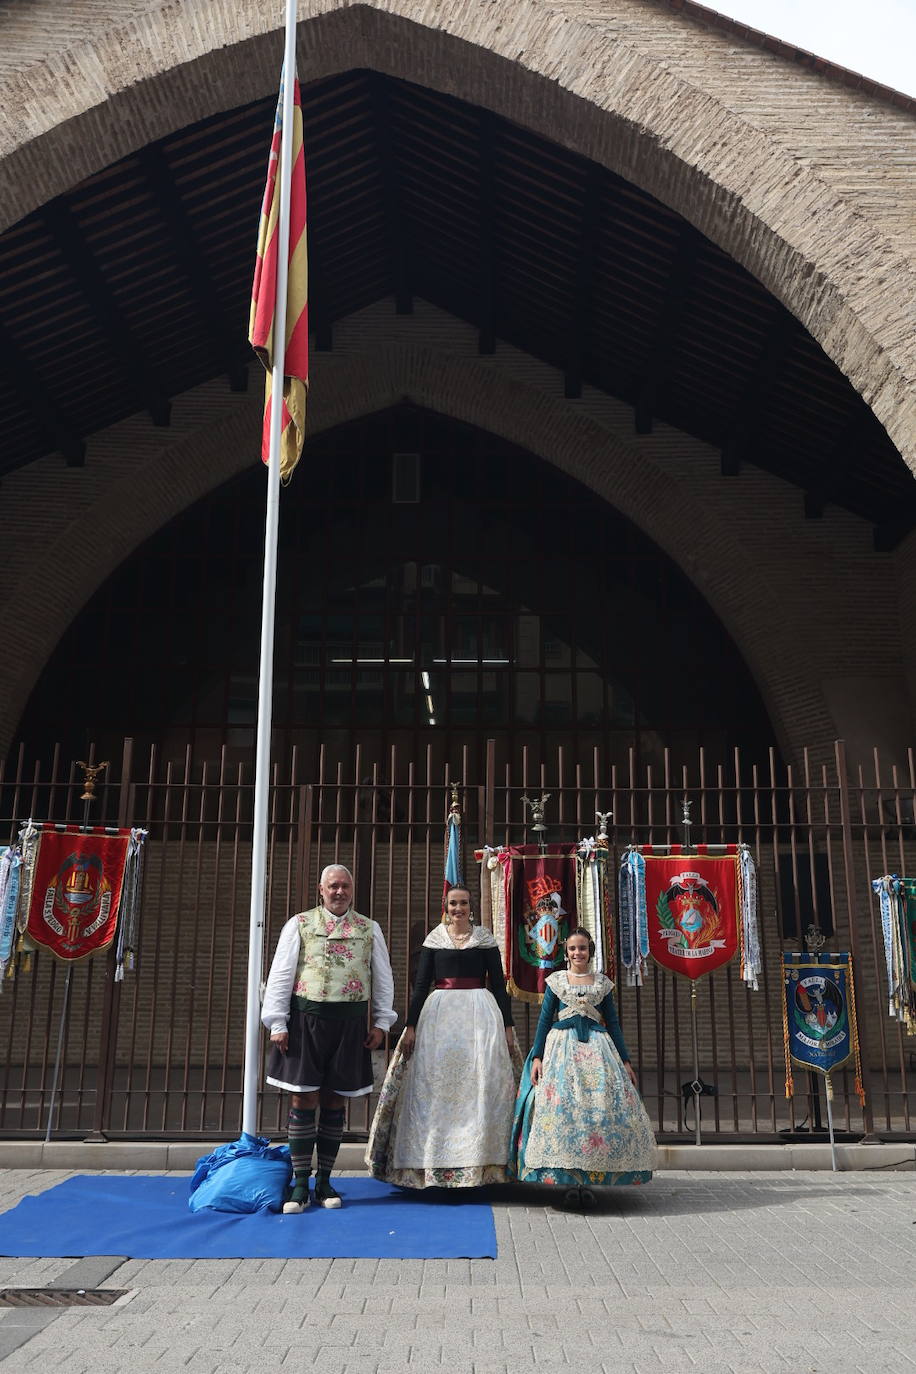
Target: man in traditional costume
(331, 963)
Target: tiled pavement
(811, 1273)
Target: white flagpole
(828, 1084)
(266, 673)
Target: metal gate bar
(160, 1054)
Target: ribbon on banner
(634, 926)
(129, 915)
(593, 904)
(492, 883)
(10, 871)
(751, 958)
(897, 902)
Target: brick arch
(131, 508)
(559, 71)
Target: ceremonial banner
(540, 907)
(819, 1019)
(74, 889)
(692, 911)
(533, 901)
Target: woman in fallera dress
(579, 1120)
(445, 1108)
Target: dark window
(510, 601)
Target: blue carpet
(147, 1217)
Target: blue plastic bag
(247, 1175)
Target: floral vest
(335, 959)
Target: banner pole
(89, 771)
(256, 921)
(695, 1085)
(60, 1049)
(828, 1086)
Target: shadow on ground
(679, 1197)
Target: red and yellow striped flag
(264, 294)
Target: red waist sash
(449, 983)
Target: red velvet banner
(540, 912)
(76, 891)
(693, 910)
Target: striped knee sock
(301, 1134)
(330, 1134)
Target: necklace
(461, 939)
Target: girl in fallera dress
(579, 1120)
(445, 1108)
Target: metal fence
(160, 1055)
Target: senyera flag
(264, 293)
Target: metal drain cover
(60, 1297)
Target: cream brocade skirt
(585, 1122)
(444, 1115)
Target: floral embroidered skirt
(444, 1114)
(584, 1123)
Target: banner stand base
(828, 1087)
(696, 1085)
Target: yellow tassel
(853, 1026)
(790, 1082)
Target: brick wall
(806, 182)
(807, 602)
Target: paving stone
(705, 1273)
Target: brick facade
(807, 183)
(781, 585)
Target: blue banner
(819, 1024)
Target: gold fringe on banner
(790, 1081)
(853, 1026)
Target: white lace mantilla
(580, 999)
(439, 938)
